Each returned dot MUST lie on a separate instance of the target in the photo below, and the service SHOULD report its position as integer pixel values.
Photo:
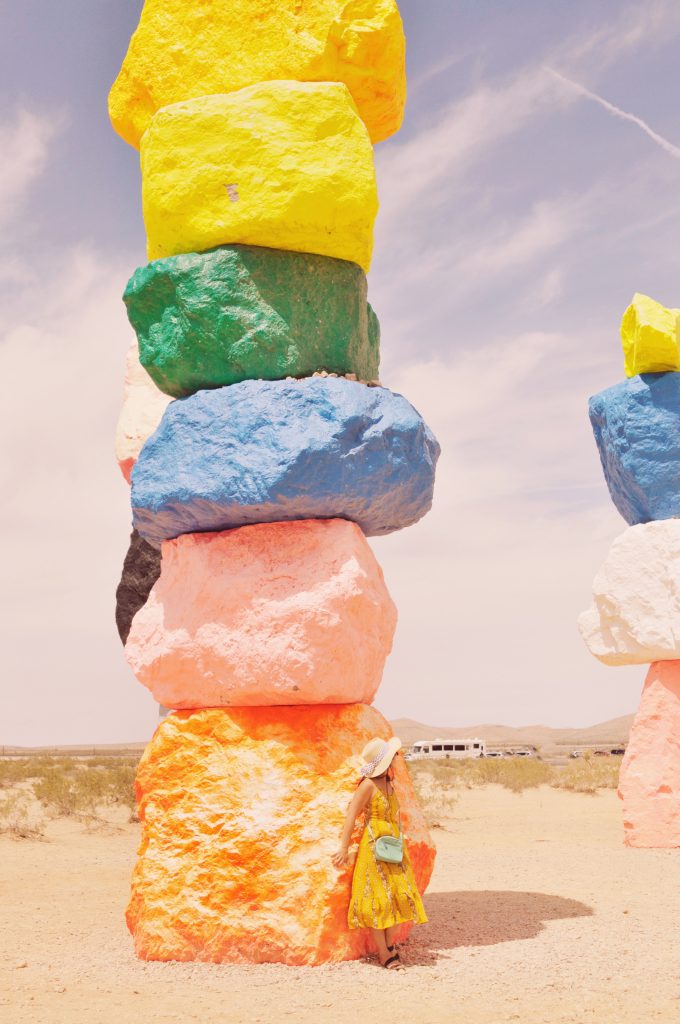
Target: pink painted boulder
(649, 785)
(276, 613)
(143, 407)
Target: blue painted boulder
(637, 429)
(268, 451)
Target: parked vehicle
(601, 753)
(446, 749)
(618, 751)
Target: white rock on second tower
(635, 618)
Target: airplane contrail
(674, 151)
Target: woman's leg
(380, 944)
(390, 934)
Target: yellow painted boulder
(286, 165)
(241, 812)
(649, 333)
(183, 49)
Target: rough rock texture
(205, 320)
(141, 569)
(635, 618)
(637, 429)
(241, 812)
(286, 165)
(143, 407)
(280, 613)
(184, 49)
(649, 784)
(650, 337)
(270, 451)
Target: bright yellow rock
(287, 165)
(650, 337)
(183, 49)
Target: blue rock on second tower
(268, 451)
(637, 430)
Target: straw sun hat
(377, 756)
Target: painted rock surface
(649, 784)
(286, 165)
(270, 451)
(143, 407)
(635, 618)
(280, 613)
(637, 430)
(141, 569)
(184, 49)
(649, 333)
(241, 813)
(205, 320)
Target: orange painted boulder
(649, 785)
(241, 812)
(276, 613)
(143, 408)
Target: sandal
(393, 963)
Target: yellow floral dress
(382, 894)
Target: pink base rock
(277, 613)
(650, 774)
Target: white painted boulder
(635, 617)
(143, 408)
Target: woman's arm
(359, 801)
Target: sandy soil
(538, 913)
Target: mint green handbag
(390, 849)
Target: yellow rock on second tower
(286, 165)
(186, 48)
(650, 337)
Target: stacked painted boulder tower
(635, 618)
(262, 451)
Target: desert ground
(538, 913)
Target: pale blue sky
(517, 218)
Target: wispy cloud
(24, 143)
(624, 115)
(414, 174)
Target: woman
(383, 895)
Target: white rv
(433, 749)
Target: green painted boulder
(243, 312)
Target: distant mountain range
(612, 733)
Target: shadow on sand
(485, 918)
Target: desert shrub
(514, 773)
(16, 818)
(436, 792)
(587, 775)
(9, 773)
(111, 761)
(121, 779)
(57, 792)
(82, 790)
(21, 769)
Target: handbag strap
(390, 786)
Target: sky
(532, 190)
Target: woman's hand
(340, 858)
